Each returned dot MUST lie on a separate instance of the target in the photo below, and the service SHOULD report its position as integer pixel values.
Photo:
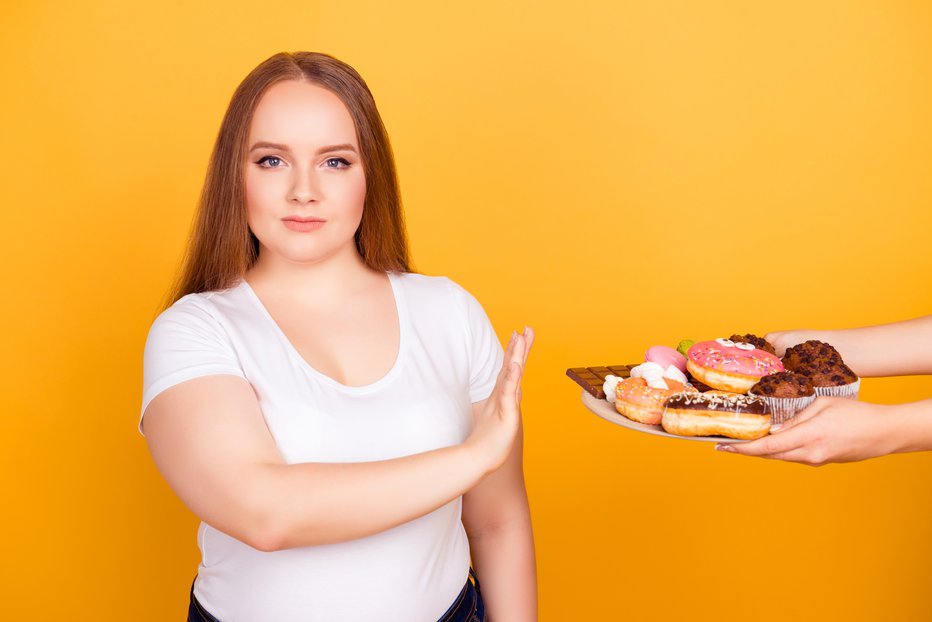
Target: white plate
(606, 410)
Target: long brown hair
(221, 247)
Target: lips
(303, 224)
(303, 219)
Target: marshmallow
(611, 382)
(673, 373)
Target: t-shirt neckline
(401, 310)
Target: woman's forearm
(503, 557)
(911, 426)
(320, 503)
(900, 348)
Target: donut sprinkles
(716, 354)
(711, 401)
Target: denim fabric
(197, 613)
(468, 606)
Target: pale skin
(341, 317)
(845, 430)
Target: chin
(313, 253)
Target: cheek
(356, 194)
(260, 195)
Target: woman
(845, 430)
(347, 431)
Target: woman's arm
(498, 522)
(845, 430)
(210, 442)
(897, 349)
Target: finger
(775, 341)
(810, 411)
(509, 352)
(768, 445)
(514, 355)
(509, 393)
(529, 341)
(817, 407)
(519, 353)
(518, 358)
(802, 416)
(800, 455)
(529, 337)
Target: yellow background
(617, 175)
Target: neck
(336, 277)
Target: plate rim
(606, 410)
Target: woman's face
(305, 186)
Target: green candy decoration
(685, 345)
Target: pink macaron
(666, 356)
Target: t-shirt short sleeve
(485, 351)
(185, 341)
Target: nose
(304, 188)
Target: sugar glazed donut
(730, 366)
(638, 401)
(743, 417)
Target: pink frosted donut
(729, 366)
(666, 356)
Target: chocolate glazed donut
(743, 417)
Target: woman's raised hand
(497, 419)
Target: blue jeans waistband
(468, 606)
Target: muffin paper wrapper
(782, 409)
(845, 390)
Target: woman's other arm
(498, 521)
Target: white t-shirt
(448, 358)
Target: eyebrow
(280, 147)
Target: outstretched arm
(897, 349)
(210, 442)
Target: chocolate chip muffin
(758, 342)
(785, 384)
(810, 354)
(786, 392)
(829, 374)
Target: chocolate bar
(592, 378)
